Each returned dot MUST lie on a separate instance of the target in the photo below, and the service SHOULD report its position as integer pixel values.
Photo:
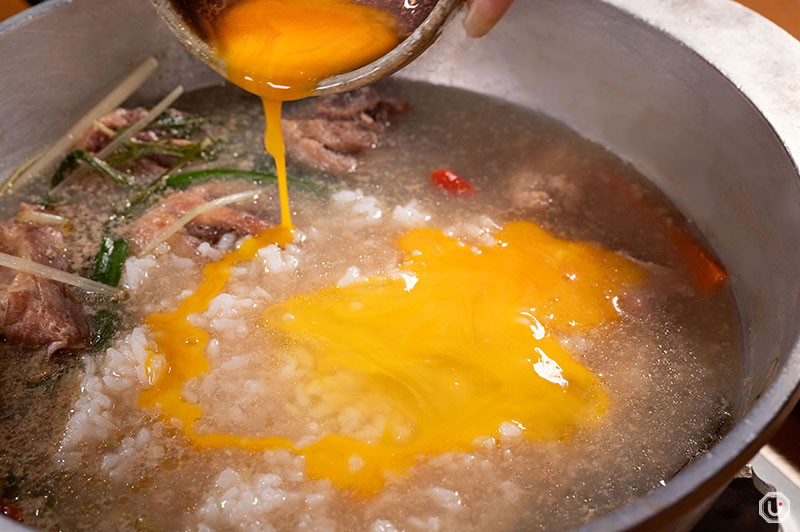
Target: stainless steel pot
(703, 96)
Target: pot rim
(763, 74)
(711, 29)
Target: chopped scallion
(109, 261)
(70, 163)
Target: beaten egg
(464, 340)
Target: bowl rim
(402, 54)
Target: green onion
(11, 486)
(46, 202)
(104, 326)
(51, 378)
(202, 150)
(185, 180)
(70, 163)
(157, 183)
(109, 261)
(138, 149)
(182, 125)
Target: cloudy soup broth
(482, 321)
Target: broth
(78, 452)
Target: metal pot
(703, 96)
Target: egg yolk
(463, 341)
(281, 49)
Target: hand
(482, 15)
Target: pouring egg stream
(281, 49)
(464, 342)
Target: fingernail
(475, 24)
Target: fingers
(483, 15)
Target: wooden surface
(11, 7)
(787, 441)
(785, 13)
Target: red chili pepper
(452, 183)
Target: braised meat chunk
(37, 312)
(209, 226)
(546, 182)
(348, 104)
(344, 126)
(151, 151)
(99, 135)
